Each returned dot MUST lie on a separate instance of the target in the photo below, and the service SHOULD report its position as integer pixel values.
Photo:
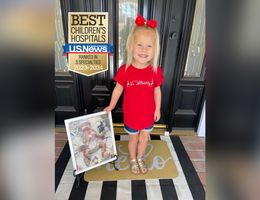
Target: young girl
(140, 78)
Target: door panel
(187, 105)
(97, 89)
(68, 103)
(170, 16)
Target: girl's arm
(157, 98)
(115, 96)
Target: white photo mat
(91, 140)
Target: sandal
(134, 167)
(142, 165)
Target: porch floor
(194, 146)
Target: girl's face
(143, 47)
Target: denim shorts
(133, 131)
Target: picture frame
(91, 140)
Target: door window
(196, 50)
(60, 60)
(127, 14)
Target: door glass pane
(60, 60)
(127, 13)
(197, 42)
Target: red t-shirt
(138, 100)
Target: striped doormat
(186, 185)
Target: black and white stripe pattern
(186, 186)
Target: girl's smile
(143, 55)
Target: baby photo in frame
(91, 140)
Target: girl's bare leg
(142, 143)
(132, 145)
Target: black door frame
(197, 85)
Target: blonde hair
(130, 43)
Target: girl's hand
(157, 115)
(108, 108)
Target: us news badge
(88, 47)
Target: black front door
(174, 25)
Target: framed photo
(91, 140)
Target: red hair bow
(140, 21)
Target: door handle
(173, 35)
